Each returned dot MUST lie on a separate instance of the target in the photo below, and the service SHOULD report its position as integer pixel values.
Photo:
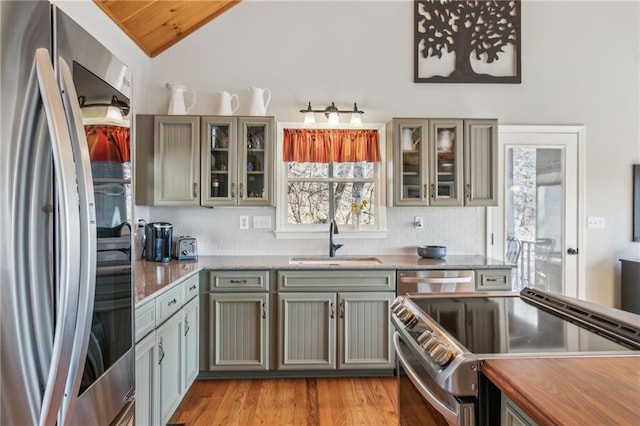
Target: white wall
(580, 65)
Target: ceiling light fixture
(332, 113)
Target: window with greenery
(327, 187)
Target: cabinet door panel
(170, 361)
(255, 147)
(365, 329)
(411, 166)
(218, 160)
(177, 161)
(446, 151)
(191, 342)
(238, 331)
(307, 328)
(481, 162)
(146, 389)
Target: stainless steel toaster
(185, 247)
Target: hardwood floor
(305, 401)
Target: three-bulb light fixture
(332, 113)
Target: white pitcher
(226, 101)
(177, 104)
(258, 102)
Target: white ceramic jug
(226, 101)
(258, 102)
(177, 104)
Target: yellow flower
(356, 208)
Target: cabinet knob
(233, 190)
(433, 191)
(240, 191)
(467, 191)
(195, 189)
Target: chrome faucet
(333, 229)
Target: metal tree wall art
(459, 41)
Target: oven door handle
(434, 280)
(450, 416)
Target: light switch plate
(262, 222)
(244, 222)
(595, 222)
(417, 222)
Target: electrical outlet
(244, 222)
(417, 222)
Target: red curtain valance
(108, 143)
(327, 146)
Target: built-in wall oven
(440, 340)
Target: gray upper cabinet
(167, 160)
(237, 157)
(444, 162)
(481, 162)
(209, 161)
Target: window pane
(353, 170)
(307, 170)
(345, 194)
(308, 202)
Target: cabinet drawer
(319, 280)
(169, 303)
(493, 279)
(191, 287)
(145, 319)
(238, 280)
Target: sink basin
(338, 260)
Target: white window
(310, 194)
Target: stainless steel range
(441, 339)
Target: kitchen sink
(338, 260)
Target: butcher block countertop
(571, 391)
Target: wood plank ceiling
(157, 25)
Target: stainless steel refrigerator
(66, 309)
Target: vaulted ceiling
(156, 25)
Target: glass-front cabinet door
(446, 146)
(218, 162)
(236, 161)
(255, 144)
(411, 165)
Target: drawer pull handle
(332, 310)
(264, 310)
(171, 302)
(238, 281)
(186, 327)
(193, 287)
(495, 280)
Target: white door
(539, 201)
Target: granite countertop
(152, 278)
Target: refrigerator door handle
(88, 243)
(68, 247)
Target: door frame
(497, 250)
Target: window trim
(316, 231)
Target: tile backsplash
(461, 229)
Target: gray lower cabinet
(335, 328)
(307, 331)
(170, 354)
(146, 388)
(238, 331)
(167, 351)
(237, 321)
(512, 415)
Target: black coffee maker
(157, 243)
